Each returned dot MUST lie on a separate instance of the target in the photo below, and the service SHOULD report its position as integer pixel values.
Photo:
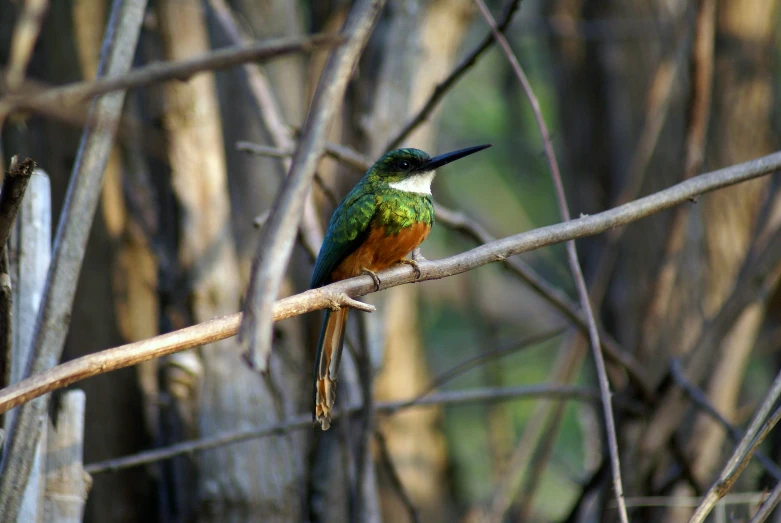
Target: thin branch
(768, 505)
(273, 120)
(756, 433)
(304, 421)
(572, 255)
(314, 299)
(70, 242)
(276, 242)
(443, 87)
(14, 185)
(393, 475)
(700, 400)
(163, 71)
(23, 41)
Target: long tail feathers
(329, 353)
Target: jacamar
(380, 221)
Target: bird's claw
(414, 265)
(374, 277)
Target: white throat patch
(419, 183)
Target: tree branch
(572, 257)
(276, 243)
(304, 421)
(324, 297)
(442, 88)
(163, 71)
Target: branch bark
(332, 295)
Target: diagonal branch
(442, 88)
(163, 71)
(276, 243)
(314, 299)
(572, 256)
(304, 421)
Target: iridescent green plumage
(384, 218)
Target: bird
(383, 219)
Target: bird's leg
(416, 256)
(374, 276)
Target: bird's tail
(329, 353)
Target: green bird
(383, 219)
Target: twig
(6, 330)
(23, 41)
(164, 71)
(304, 421)
(14, 185)
(69, 245)
(273, 120)
(768, 505)
(756, 433)
(393, 475)
(314, 299)
(700, 400)
(460, 222)
(443, 87)
(276, 242)
(572, 256)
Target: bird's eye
(403, 165)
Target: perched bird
(383, 219)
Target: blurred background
(638, 95)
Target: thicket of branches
(195, 151)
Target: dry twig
(577, 273)
(160, 72)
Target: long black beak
(444, 159)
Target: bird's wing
(347, 229)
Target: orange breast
(379, 251)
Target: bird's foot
(374, 277)
(414, 264)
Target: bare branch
(314, 299)
(768, 505)
(755, 435)
(276, 243)
(164, 71)
(304, 421)
(395, 480)
(572, 256)
(700, 400)
(443, 87)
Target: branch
(14, 185)
(572, 256)
(393, 475)
(163, 71)
(754, 436)
(276, 243)
(304, 421)
(324, 297)
(442, 88)
(69, 245)
(700, 400)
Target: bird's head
(412, 170)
